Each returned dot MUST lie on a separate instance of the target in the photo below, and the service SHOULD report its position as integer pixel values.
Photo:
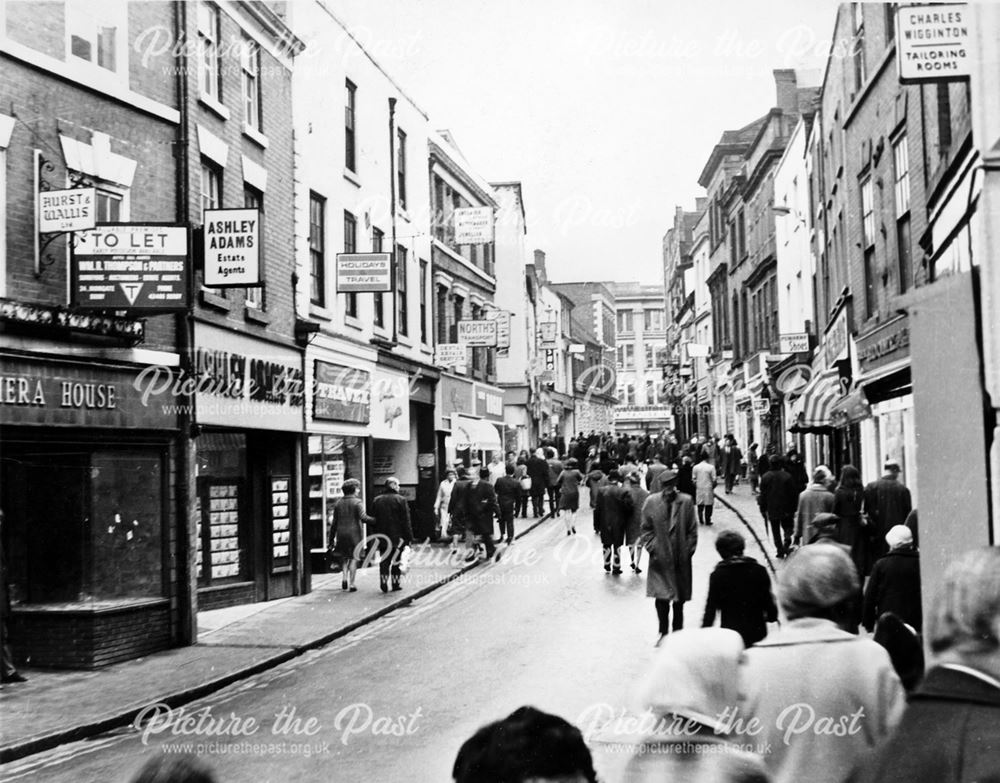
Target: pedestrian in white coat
(704, 484)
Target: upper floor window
(378, 237)
(254, 199)
(859, 45)
(890, 22)
(901, 159)
(867, 212)
(317, 249)
(97, 34)
(423, 303)
(401, 167)
(109, 206)
(350, 96)
(211, 186)
(625, 321)
(653, 320)
(868, 246)
(252, 101)
(350, 246)
(209, 77)
(403, 313)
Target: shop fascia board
(117, 355)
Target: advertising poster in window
(390, 400)
(281, 516)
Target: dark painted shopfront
(86, 489)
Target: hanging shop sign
(451, 355)
(341, 393)
(454, 396)
(390, 405)
(247, 383)
(359, 273)
(886, 344)
(232, 240)
(794, 343)
(548, 330)
(835, 340)
(794, 379)
(502, 318)
(477, 333)
(933, 42)
(66, 210)
(130, 266)
(473, 225)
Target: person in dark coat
(730, 459)
(656, 467)
(569, 494)
(391, 524)
(753, 465)
(848, 499)
(347, 531)
(950, 732)
(739, 590)
(797, 470)
(778, 502)
(555, 469)
(508, 491)
(611, 513)
(459, 524)
(538, 472)
(669, 534)
(895, 583)
(481, 507)
(685, 479)
(887, 504)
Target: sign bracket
(44, 260)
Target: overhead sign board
(502, 317)
(794, 379)
(473, 225)
(794, 343)
(836, 340)
(359, 273)
(232, 248)
(548, 330)
(932, 42)
(697, 350)
(130, 266)
(341, 393)
(66, 210)
(477, 333)
(451, 355)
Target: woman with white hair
(825, 698)
(817, 498)
(951, 730)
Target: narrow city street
(395, 700)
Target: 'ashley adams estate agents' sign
(232, 248)
(130, 266)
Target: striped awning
(813, 410)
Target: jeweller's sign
(130, 266)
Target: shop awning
(812, 411)
(477, 434)
(851, 409)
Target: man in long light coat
(669, 534)
(704, 485)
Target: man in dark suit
(887, 504)
(392, 525)
(730, 458)
(612, 511)
(508, 491)
(480, 507)
(778, 501)
(538, 472)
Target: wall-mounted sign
(66, 210)
(364, 273)
(390, 398)
(884, 345)
(502, 317)
(794, 343)
(697, 350)
(477, 333)
(577, 348)
(451, 355)
(932, 42)
(835, 340)
(473, 225)
(489, 402)
(130, 266)
(548, 331)
(232, 239)
(760, 405)
(247, 383)
(341, 393)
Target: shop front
(248, 469)
(470, 421)
(338, 403)
(87, 489)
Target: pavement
(57, 707)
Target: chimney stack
(786, 90)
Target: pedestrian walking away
(753, 461)
(612, 512)
(895, 583)
(569, 494)
(458, 513)
(538, 472)
(508, 490)
(730, 461)
(638, 495)
(481, 508)
(555, 469)
(669, 534)
(442, 501)
(778, 501)
(392, 526)
(704, 478)
(815, 499)
(347, 530)
(739, 591)
(887, 504)
(852, 531)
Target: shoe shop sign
(130, 266)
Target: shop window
(332, 460)
(223, 517)
(85, 526)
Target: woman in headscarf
(348, 517)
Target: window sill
(255, 136)
(216, 302)
(402, 213)
(211, 103)
(320, 312)
(353, 322)
(380, 331)
(255, 315)
(352, 177)
(404, 341)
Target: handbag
(526, 484)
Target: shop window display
(222, 538)
(332, 460)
